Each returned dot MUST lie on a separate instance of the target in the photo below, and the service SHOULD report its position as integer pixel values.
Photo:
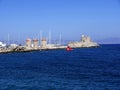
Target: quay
(24, 49)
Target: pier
(33, 45)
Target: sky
(99, 19)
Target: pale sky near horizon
(21, 19)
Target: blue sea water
(79, 69)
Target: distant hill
(114, 40)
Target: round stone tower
(44, 42)
(28, 43)
(35, 43)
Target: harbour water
(79, 69)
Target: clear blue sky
(99, 19)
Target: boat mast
(49, 37)
(60, 39)
(40, 37)
(8, 42)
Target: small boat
(69, 48)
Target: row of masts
(40, 38)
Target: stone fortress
(85, 42)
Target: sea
(79, 69)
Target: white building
(2, 44)
(13, 45)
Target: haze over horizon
(99, 19)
